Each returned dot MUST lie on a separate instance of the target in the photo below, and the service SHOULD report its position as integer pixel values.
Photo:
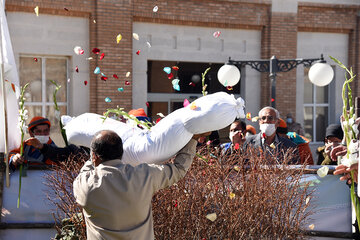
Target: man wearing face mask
(268, 141)
(294, 126)
(40, 149)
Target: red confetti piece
(263, 135)
(229, 88)
(147, 104)
(170, 76)
(115, 76)
(35, 59)
(272, 100)
(102, 56)
(216, 34)
(96, 50)
(175, 68)
(85, 82)
(66, 9)
(186, 102)
(138, 52)
(81, 51)
(192, 84)
(176, 203)
(77, 69)
(237, 146)
(127, 83)
(104, 78)
(158, 120)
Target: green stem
(354, 199)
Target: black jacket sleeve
(58, 154)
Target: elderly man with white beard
(268, 141)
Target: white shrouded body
(321, 74)
(228, 75)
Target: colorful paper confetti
(192, 84)
(148, 44)
(138, 52)
(175, 84)
(248, 116)
(136, 36)
(193, 106)
(36, 10)
(89, 58)
(216, 34)
(147, 104)
(231, 195)
(120, 89)
(104, 78)
(186, 102)
(170, 76)
(107, 99)
(66, 9)
(35, 59)
(118, 38)
(77, 69)
(167, 70)
(127, 83)
(78, 50)
(323, 171)
(255, 119)
(229, 88)
(102, 74)
(97, 70)
(212, 217)
(236, 168)
(175, 68)
(115, 76)
(237, 146)
(102, 56)
(312, 226)
(96, 50)
(85, 82)
(127, 74)
(155, 9)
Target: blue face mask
(289, 120)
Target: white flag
(11, 79)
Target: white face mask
(42, 139)
(268, 128)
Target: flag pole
(3, 92)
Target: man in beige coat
(116, 197)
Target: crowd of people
(104, 176)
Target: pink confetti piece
(186, 102)
(216, 34)
(192, 84)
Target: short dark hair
(107, 145)
(242, 123)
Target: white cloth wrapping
(205, 114)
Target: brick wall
(279, 35)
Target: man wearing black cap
(333, 137)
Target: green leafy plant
(57, 112)
(120, 112)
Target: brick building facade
(279, 22)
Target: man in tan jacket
(116, 197)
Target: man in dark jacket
(269, 142)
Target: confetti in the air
(229, 88)
(127, 83)
(186, 102)
(175, 68)
(104, 78)
(175, 84)
(97, 70)
(35, 59)
(211, 216)
(107, 99)
(255, 119)
(66, 9)
(68, 80)
(138, 52)
(147, 104)
(78, 50)
(148, 44)
(120, 89)
(94, 21)
(102, 74)
(272, 145)
(136, 36)
(102, 56)
(193, 106)
(118, 38)
(216, 34)
(155, 9)
(77, 69)
(192, 84)
(85, 82)
(170, 76)
(167, 70)
(127, 74)
(96, 50)
(115, 76)
(272, 100)
(248, 116)
(36, 9)
(231, 195)
(237, 146)
(312, 226)
(89, 58)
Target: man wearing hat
(39, 130)
(333, 137)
